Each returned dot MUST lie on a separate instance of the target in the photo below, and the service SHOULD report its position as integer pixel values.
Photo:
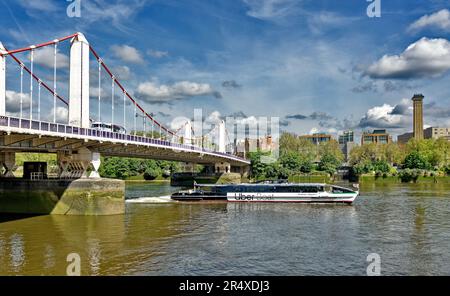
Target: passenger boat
(270, 192)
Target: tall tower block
(418, 116)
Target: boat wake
(156, 199)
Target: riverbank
(396, 179)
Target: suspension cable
(31, 81)
(128, 94)
(135, 115)
(39, 99)
(124, 110)
(19, 62)
(21, 92)
(99, 89)
(54, 81)
(112, 102)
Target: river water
(408, 225)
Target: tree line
(297, 156)
(300, 156)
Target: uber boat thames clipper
(270, 192)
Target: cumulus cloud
(382, 117)
(62, 115)
(127, 54)
(440, 20)
(424, 58)
(153, 92)
(178, 122)
(122, 72)
(45, 57)
(157, 53)
(403, 108)
(13, 101)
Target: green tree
(415, 160)
(329, 163)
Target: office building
(379, 136)
(317, 138)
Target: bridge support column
(2, 81)
(222, 167)
(7, 161)
(74, 166)
(79, 82)
(245, 171)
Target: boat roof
(263, 184)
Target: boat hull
(291, 198)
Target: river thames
(408, 225)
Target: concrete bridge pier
(188, 167)
(222, 167)
(77, 165)
(7, 161)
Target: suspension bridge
(31, 121)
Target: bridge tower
(222, 137)
(2, 81)
(188, 133)
(79, 82)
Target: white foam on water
(156, 199)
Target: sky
(318, 65)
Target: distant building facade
(347, 143)
(264, 144)
(379, 136)
(428, 133)
(437, 133)
(404, 138)
(317, 138)
(347, 136)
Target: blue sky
(318, 65)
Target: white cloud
(424, 58)
(157, 54)
(270, 9)
(62, 115)
(122, 72)
(45, 57)
(127, 54)
(178, 122)
(40, 5)
(13, 101)
(440, 19)
(151, 91)
(117, 11)
(383, 117)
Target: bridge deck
(24, 135)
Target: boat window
(340, 190)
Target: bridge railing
(43, 126)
